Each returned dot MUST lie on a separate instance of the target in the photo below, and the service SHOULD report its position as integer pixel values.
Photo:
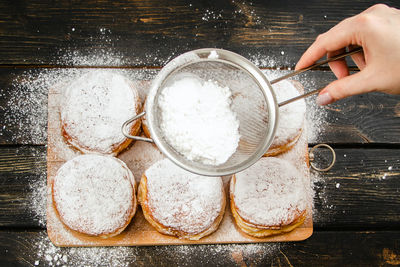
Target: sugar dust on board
(197, 120)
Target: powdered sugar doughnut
(177, 202)
(291, 117)
(94, 108)
(95, 195)
(268, 198)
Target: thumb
(350, 85)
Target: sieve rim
(227, 57)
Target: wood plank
(371, 118)
(147, 33)
(360, 191)
(365, 198)
(22, 180)
(322, 249)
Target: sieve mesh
(252, 101)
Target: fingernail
(324, 99)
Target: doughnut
(268, 198)
(93, 110)
(291, 117)
(94, 195)
(179, 203)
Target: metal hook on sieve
(125, 131)
(357, 50)
(312, 158)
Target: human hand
(377, 30)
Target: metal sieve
(253, 101)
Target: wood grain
(149, 33)
(371, 118)
(365, 199)
(356, 194)
(22, 168)
(333, 248)
(361, 191)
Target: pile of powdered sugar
(197, 120)
(183, 200)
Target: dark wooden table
(356, 204)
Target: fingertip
(312, 54)
(300, 63)
(298, 66)
(354, 84)
(306, 60)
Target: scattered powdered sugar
(197, 120)
(94, 193)
(271, 61)
(291, 116)
(36, 205)
(270, 192)
(49, 255)
(211, 15)
(182, 200)
(46, 254)
(316, 121)
(96, 57)
(94, 108)
(26, 113)
(102, 54)
(211, 255)
(323, 209)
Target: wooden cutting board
(138, 157)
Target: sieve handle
(125, 131)
(316, 91)
(294, 73)
(357, 50)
